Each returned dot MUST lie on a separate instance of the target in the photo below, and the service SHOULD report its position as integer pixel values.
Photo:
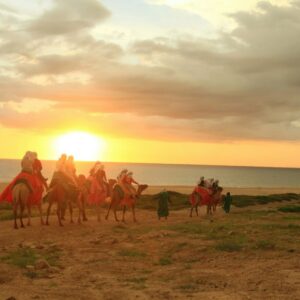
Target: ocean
(172, 174)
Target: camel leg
(123, 216)
(21, 214)
(79, 217)
(59, 213)
(98, 212)
(29, 214)
(107, 214)
(133, 213)
(208, 211)
(63, 208)
(48, 211)
(191, 212)
(15, 209)
(83, 210)
(115, 214)
(197, 210)
(79, 209)
(41, 213)
(71, 211)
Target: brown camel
(21, 193)
(118, 197)
(110, 187)
(196, 204)
(82, 198)
(211, 206)
(56, 194)
(217, 198)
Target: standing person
(227, 203)
(163, 204)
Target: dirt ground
(251, 253)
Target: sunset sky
(167, 81)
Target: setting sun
(82, 145)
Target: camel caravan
(66, 190)
(208, 193)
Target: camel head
(141, 188)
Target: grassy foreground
(181, 258)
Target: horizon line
(178, 164)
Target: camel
(117, 198)
(217, 199)
(195, 203)
(21, 193)
(57, 194)
(81, 201)
(197, 200)
(111, 184)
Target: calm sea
(164, 174)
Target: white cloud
(217, 11)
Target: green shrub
(229, 246)
(290, 209)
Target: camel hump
(20, 191)
(23, 182)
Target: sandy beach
(234, 191)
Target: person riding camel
(37, 170)
(27, 162)
(215, 186)
(102, 179)
(61, 174)
(127, 182)
(70, 169)
(121, 176)
(26, 176)
(98, 173)
(201, 182)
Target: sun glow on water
(82, 145)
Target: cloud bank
(241, 85)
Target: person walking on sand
(163, 204)
(227, 203)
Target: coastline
(183, 189)
(233, 190)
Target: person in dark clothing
(227, 203)
(163, 204)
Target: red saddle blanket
(204, 193)
(33, 183)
